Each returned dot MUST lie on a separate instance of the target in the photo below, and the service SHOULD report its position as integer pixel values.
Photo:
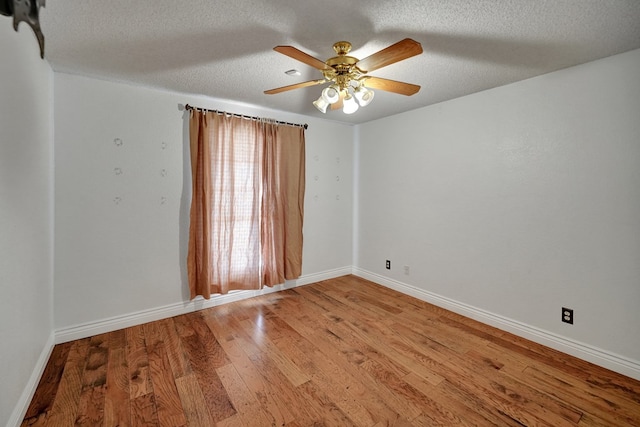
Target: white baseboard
(614, 362)
(27, 394)
(131, 319)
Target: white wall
(26, 221)
(123, 192)
(515, 202)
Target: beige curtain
(283, 181)
(247, 203)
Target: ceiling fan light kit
(350, 86)
(350, 104)
(331, 94)
(363, 95)
(321, 104)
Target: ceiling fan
(348, 75)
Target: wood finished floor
(336, 353)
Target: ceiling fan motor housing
(343, 68)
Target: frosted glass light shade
(331, 94)
(350, 105)
(321, 104)
(364, 95)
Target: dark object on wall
(27, 11)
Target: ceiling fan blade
(302, 57)
(396, 52)
(294, 86)
(391, 86)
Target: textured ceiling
(224, 49)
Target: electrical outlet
(567, 315)
(406, 270)
(388, 265)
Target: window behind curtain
(247, 203)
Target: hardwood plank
(322, 406)
(273, 382)
(195, 407)
(337, 381)
(91, 406)
(303, 354)
(346, 336)
(117, 409)
(524, 348)
(233, 421)
(277, 385)
(477, 404)
(289, 369)
(65, 405)
(95, 370)
(42, 400)
(177, 358)
(144, 412)
(362, 406)
(340, 373)
(385, 340)
(510, 397)
(521, 399)
(212, 350)
(404, 397)
(309, 379)
(94, 380)
(117, 338)
(246, 404)
(169, 407)
(237, 347)
(400, 422)
(508, 360)
(552, 407)
(443, 409)
(348, 348)
(377, 320)
(618, 384)
(138, 363)
(617, 411)
(282, 391)
(205, 355)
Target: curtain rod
(191, 107)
